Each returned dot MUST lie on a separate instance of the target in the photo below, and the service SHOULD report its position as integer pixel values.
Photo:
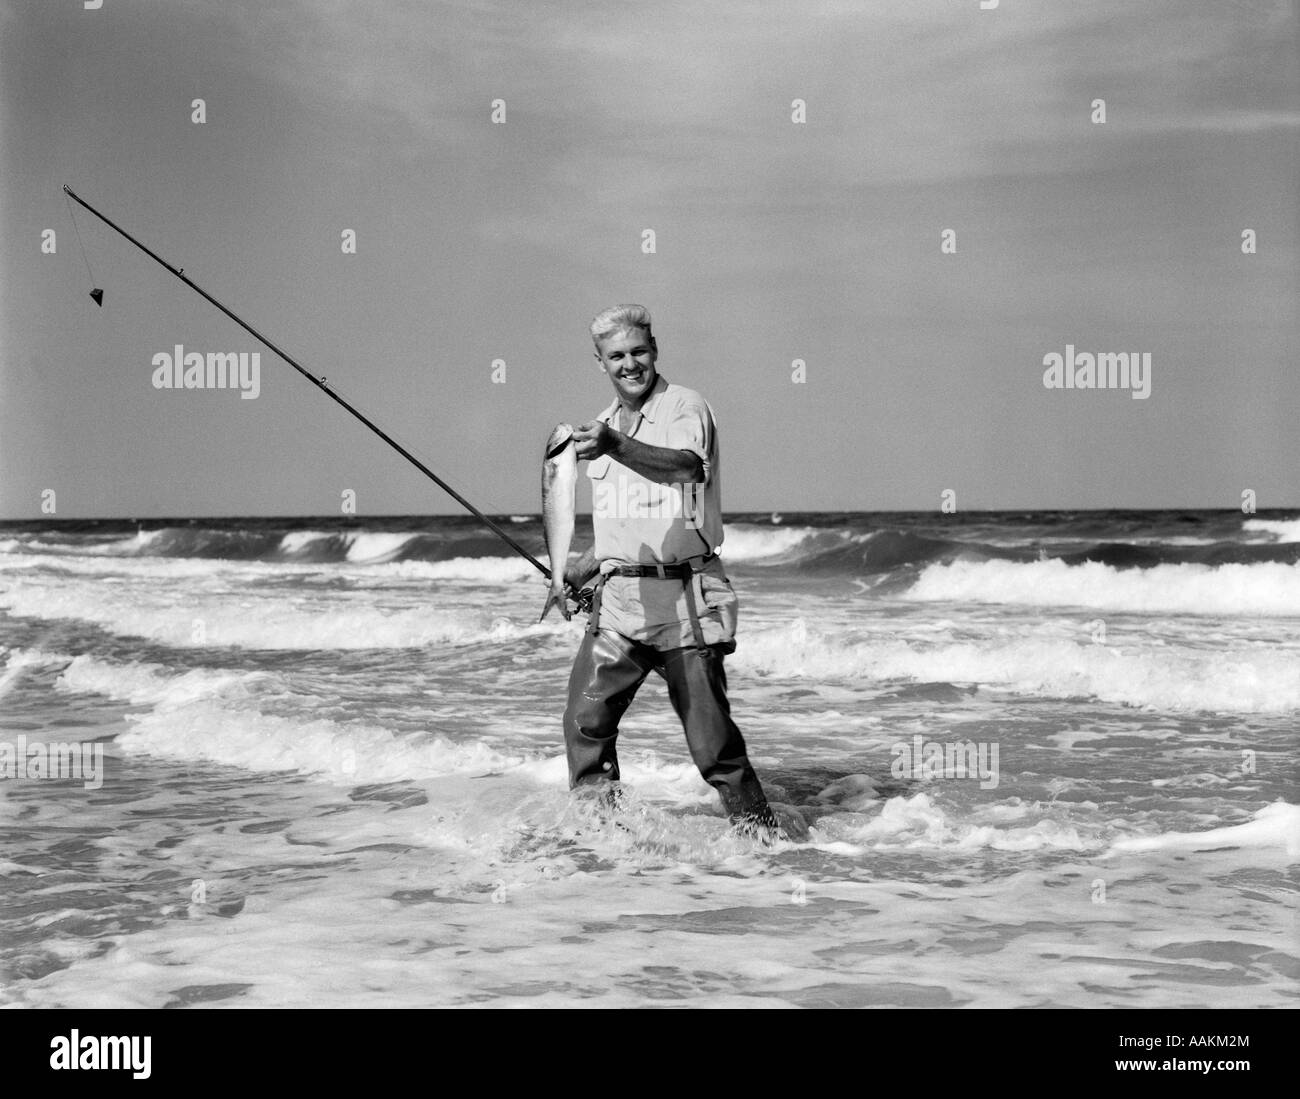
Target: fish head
(560, 438)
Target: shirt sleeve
(691, 428)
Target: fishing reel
(584, 599)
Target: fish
(559, 510)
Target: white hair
(620, 318)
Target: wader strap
(593, 619)
(688, 583)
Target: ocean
(1047, 759)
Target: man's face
(629, 359)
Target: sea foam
(1227, 590)
(1282, 530)
(214, 716)
(1252, 680)
(1274, 826)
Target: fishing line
(320, 383)
(96, 293)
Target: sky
(774, 241)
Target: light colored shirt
(639, 521)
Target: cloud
(1234, 122)
(681, 99)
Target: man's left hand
(593, 439)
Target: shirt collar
(649, 410)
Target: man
(662, 601)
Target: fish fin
(556, 599)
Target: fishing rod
(319, 383)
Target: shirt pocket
(598, 468)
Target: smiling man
(662, 601)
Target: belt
(683, 571)
(676, 572)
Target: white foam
(213, 715)
(917, 823)
(139, 543)
(377, 546)
(145, 567)
(150, 685)
(362, 546)
(199, 618)
(1282, 530)
(653, 777)
(484, 569)
(1265, 588)
(298, 540)
(495, 570)
(348, 753)
(1251, 680)
(1276, 825)
(746, 542)
(19, 661)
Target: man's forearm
(657, 463)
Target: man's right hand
(593, 439)
(582, 570)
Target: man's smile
(628, 357)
